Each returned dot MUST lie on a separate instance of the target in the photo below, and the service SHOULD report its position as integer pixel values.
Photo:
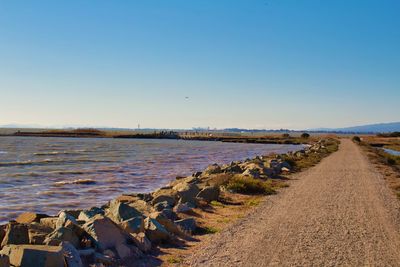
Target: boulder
(169, 225)
(16, 234)
(86, 215)
(212, 169)
(209, 193)
(38, 233)
(87, 256)
(197, 174)
(162, 195)
(187, 192)
(126, 251)
(233, 168)
(169, 213)
(155, 231)
(62, 234)
(4, 261)
(119, 211)
(286, 165)
(2, 232)
(134, 225)
(65, 220)
(142, 242)
(105, 232)
(145, 196)
(30, 217)
(161, 205)
(73, 213)
(49, 222)
(68, 221)
(142, 206)
(71, 255)
(269, 172)
(34, 255)
(188, 225)
(254, 173)
(102, 260)
(183, 207)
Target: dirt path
(338, 213)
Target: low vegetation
(305, 135)
(393, 134)
(311, 159)
(386, 163)
(249, 185)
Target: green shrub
(305, 135)
(285, 135)
(356, 139)
(249, 185)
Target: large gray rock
(169, 225)
(161, 205)
(142, 242)
(2, 232)
(209, 193)
(38, 233)
(187, 192)
(86, 215)
(49, 222)
(254, 173)
(34, 255)
(71, 255)
(16, 234)
(170, 214)
(212, 169)
(119, 211)
(141, 206)
(62, 234)
(134, 225)
(109, 236)
(155, 231)
(4, 261)
(66, 220)
(188, 225)
(183, 207)
(162, 195)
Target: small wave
(50, 161)
(3, 152)
(78, 181)
(23, 174)
(55, 153)
(69, 172)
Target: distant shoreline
(92, 133)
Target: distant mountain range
(369, 128)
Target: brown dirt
(340, 212)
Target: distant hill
(370, 128)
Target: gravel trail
(339, 213)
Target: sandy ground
(339, 213)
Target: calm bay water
(392, 152)
(37, 174)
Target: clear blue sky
(242, 63)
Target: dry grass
(248, 185)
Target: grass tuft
(249, 185)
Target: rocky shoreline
(132, 225)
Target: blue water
(392, 152)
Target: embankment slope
(340, 212)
